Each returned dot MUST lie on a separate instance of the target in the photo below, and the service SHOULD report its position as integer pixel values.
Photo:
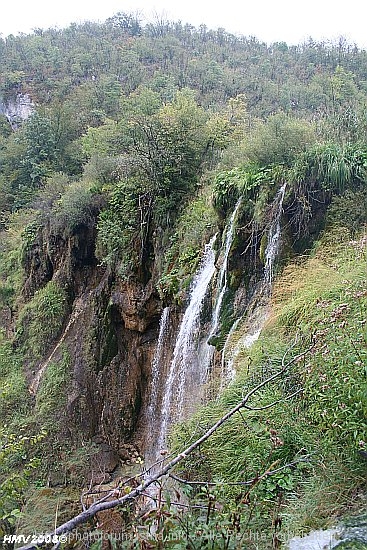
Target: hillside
(183, 223)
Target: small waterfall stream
(157, 363)
(222, 279)
(157, 368)
(272, 248)
(207, 350)
(187, 373)
(257, 315)
(255, 321)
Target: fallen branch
(104, 504)
(252, 481)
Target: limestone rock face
(68, 259)
(136, 304)
(109, 335)
(17, 109)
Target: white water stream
(186, 373)
(273, 245)
(222, 279)
(256, 319)
(207, 350)
(158, 363)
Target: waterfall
(256, 315)
(186, 373)
(222, 279)
(255, 322)
(273, 245)
(157, 363)
(228, 372)
(207, 350)
(157, 368)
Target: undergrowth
(34, 335)
(314, 442)
(194, 227)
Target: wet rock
(105, 460)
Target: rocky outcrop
(109, 336)
(17, 109)
(69, 259)
(136, 304)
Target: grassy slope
(324, 295)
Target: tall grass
(322, 298)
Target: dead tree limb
(267, 473)
(104, 504)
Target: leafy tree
(128, 23)
(5, 129)
(279, 139)
(15, 184)
(40, 147)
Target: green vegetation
(52, 394)
(315, 437)
(33, 335)
(13, 390)
(279, 139)
(321, 172)
(14, 242)
(192, 231)
(141, 141)
(16, 467)
(78, 205)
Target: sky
(268, 20)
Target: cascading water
(207, 350)
(222, 280)
(256, 319)
(157, 365)
(186, 372)
(272, 248)
(255, 322)
(228, 372)
(191, 361)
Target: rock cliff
(109, 333)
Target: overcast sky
(269, 20)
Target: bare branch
(178, 504)
(267, 473)
(104, 504)
(262, 408)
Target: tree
(279, 139)
(128, 23)
(40, 143)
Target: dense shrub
(34, 335)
